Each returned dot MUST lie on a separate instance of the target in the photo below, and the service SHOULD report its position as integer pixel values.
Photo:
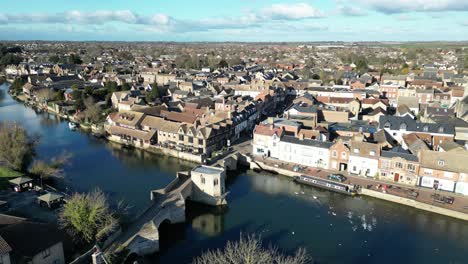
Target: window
(372, 153)
(385, 163)
(387, 125)
(398, 165)
(202, 179)
(403, 126)
(45, 253)
(200, 141)
(356, 150)
(181, 137)
(334, 154)
(425, 128)
(190, 139)
(441, 162)
(215, 182)
(411, 167)
(343, 155)
(441, 129)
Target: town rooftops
(28, 239)
(307, 142)
(408, 124)
(267, 130)
(445, 161)
(394, 154)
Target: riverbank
(421, 202)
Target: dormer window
(403, 126)
(441, 162)
(441, 129)
(425, 128)
(372, 153)
(387, 125)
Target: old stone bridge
(205, 184)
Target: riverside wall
(374, 194)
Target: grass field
(7, 174)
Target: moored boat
(326, 184)
(72, 125)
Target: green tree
(74, 59)
(59, 96)
(111, 87)
(249, 250)
(17, 148)
(10, 58)
(88, 90)
(54, 59)
(223, 64)
(154, 93)
(17, 85)
(88, 217)
(126, 87)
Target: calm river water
(333, 228)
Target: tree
(126, 87)
(111, 87)
(17, 148)
(17, 85)
(154, 93)
(249, 250)
(74, 59)
(10, 58)
(223, 64)
(59, 96)
(92, 112)
(45, 170)
(54, 59)
(88, 90)
(88, 217)
(45, 95)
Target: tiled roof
(307, 142)
(395, 122)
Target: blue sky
(235, 20)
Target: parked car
(337, 177)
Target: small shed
(51, 200)
(22, 184)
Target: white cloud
(291, 12)
(351, 11)
(403, 6)
(166, 23)
(79, 17)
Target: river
(333, 228)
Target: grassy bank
(7, 174)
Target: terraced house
(399, 167)
(446, 170)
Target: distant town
(385, 120)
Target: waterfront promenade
(424, 194)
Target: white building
(307, 152)
(364, 159)
(208, 185)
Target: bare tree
(249, 250)
(92, 112)
(17, 148)
(44, 95)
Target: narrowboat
(326, 184)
